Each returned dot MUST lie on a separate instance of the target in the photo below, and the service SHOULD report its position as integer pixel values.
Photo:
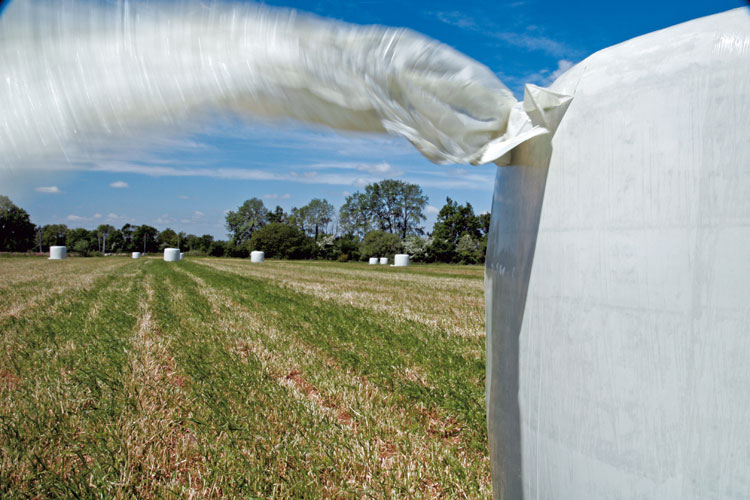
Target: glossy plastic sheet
(73, 72)
(618, 278)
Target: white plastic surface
(401, 260)
(383, 261)
(171, 254)
(257, 256)
(373, 261)
(58, 253)
(618, 279)
(76, 73)
(135, 255)
(182, 255)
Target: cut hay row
(180, 379)
(410, 297)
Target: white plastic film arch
(79, 72)
(618, 279)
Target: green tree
(282, 241)
(102, 233)
(128, 243)
(81, 240)
(355, 215)
(167, 239)
(54, 234)
(380, 244)
(452, 223)
(315, 216)
(249, 217)
(16, 230)
(278, 215)
(391, 205)
(144, 239)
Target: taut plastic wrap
(74, 72)
(618, 279)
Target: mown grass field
(126, 378)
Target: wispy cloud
(48, 189)
(119, 184)
(77, 218)
(529, 38)
(431, 210)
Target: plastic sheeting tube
(171, 254)
(256, 256)
(617, 322)
(135, 255)
(58, 253)
(401, 260)
(78, 73)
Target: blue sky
(187, 183)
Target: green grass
(219, 378)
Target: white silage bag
(256, 256)
(135, 255)
(58, 253)
(401, 260)
(171, 254)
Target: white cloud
(163, 219)
(198, 213)
(563, 65)
(113, 217)
(431, 210)
(183, 197)
(77, 218)
(119, 184)
(48, 189)
(97, 216)
(285, 196)
(270, 196)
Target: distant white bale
(373, 261)
(384, 261)
(257, 256)
(182, 255)
(401, 260)
(171, 254)
(136, 255)
(58, 253)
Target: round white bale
(58, 253)
(383, 261)
(257, 256)
(618, 279)
(136, 255)
(401, 260)
(373, 261)
(171, 254)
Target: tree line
(383, 219)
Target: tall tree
(249, 217)
(16, 229)
(278, 215)
(144, 238)
(397, 206)
(102, 233)
(453, 222)
(355, 215)
(316, 216)
(167, 239)
(54, 234)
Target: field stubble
(218, 378)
